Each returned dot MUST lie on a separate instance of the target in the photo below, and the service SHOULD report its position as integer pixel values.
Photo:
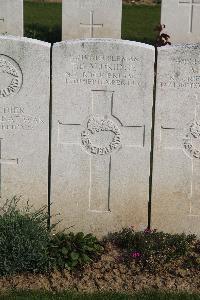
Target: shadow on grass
(43, 33)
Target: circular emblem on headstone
(101, 137)
(191, 141)
(10, 77)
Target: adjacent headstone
(101, 140)
(24, 119)
(11, 17)
(91, 19)
(181, 18)
(176, 171)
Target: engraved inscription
(186, 72)
(95, 126)
(103, 70)
(191, 141)
(16, 118)
(93, 4)
(10, 77)
(191, 82)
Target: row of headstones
(80, 18)
(101, 131)
(102, 19)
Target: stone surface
(91, 19)
(102, 101)
(176, 172)
(24, 119)
(11, 17)
(181, 18)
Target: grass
(138, 23)
(44, 21)
(100, 296)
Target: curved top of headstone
(25, 40)
(180, 46)
(104, 41)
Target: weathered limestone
(102, 101)
(176, 172)
(181, 18)
(91, 19)
(11, 17)
(24, 119)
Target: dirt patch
(108, 274)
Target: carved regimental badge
(192, 140)
(10, 77)
(101, 137)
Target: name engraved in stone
(10, 77)
(95, 127)
(186, 61)
(92, 4)
(103, 70)
(191, 142)
(15, 118)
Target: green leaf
(74, 256)
(64, 251)
(80, 236)
(85, 258)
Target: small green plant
(24, 239)
(73, 250)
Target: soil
(108, 274)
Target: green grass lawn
(73, 296)
(43, 21)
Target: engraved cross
(2, 31)
(101, 137)
(4, 161)
(2, 20)
(191, 4)
(187, 140)
(91, 25)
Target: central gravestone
(11, 17)
(176, 171)
(181, 18)
(24, 119)
(91, 19)
(102, 99)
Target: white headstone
(102, 101)
(91, 19)
(176, 171)
(24, 119)
(181, 18)
(11, 17)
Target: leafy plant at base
(157, 247)
(24, 239)
(73, 250)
